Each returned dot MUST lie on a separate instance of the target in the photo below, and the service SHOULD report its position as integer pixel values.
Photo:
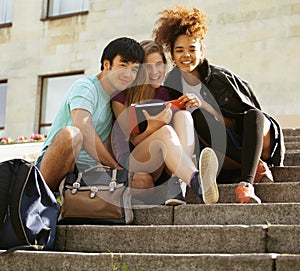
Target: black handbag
(98, 195)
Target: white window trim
(46, 12)
(6, 14)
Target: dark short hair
(128, 49)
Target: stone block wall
(259, 40)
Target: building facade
(45, 45)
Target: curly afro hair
(176, 22)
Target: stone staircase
(224, 236)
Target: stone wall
(259, 40)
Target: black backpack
(28, 208)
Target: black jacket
(228, 94)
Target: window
(63, 7)
(6, 11)
(54, 89)
(3, 93)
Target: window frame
(42, 77)
(46, 9)
(5, 25)
(10, 22)
(2, 128)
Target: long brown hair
(141, 91)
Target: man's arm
(92, 143)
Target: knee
(165, 132)
(70, 134)
(183, 115)
(255, 116)
(141, 181)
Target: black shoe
(174, 193)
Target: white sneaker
(208, 168)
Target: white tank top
(187, 88)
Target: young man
(80, 132)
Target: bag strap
(5, 177)
(22, 171)
(105, 168)
(25, 247)
(114, 172)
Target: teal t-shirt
(88, 94)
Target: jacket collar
(204, 71)
(173, 79)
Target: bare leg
(141, 181)
(59, 158)
(163, 146)
(184, 127)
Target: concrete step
(52, 261)
(291, 132)
(292, 158)
(285, 189)
(293, 145)
(288, 139)
(218, 214)
(267, 192)
(230, 239)
(286, 174)
(224, 236)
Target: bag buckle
(113, 183)
(112, 186)
(94, 190)
(75, 187)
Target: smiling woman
(227, 115)
(165, 146)
(156, 69)
(187, 53)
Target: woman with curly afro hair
(227, 115)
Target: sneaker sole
(265, 179)
(208, 167)
(174, 202)
(255, 200)
(243, 197)
(247, 200)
